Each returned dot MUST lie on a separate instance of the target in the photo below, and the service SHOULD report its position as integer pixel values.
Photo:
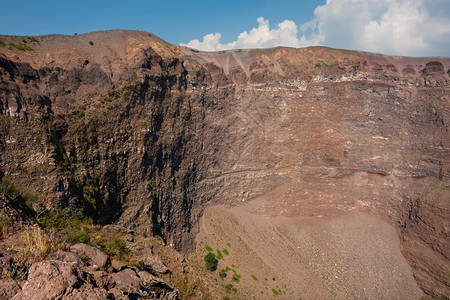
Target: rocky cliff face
(137, 131)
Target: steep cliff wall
(134, 130)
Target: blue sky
(398, 27)
(174, 21)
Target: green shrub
(208, 248)
(229, 288)
(5, 226)
(91, 43)
(211, 261)
(254, 278)
(34, 40)
(21, 46)
(2, 43)
(8, 187)
(225, 251)
(117, 249)
(30, 196)
(79, 235)
(219, 255)
(222, 274)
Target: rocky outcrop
(65, 276)
(136, 131)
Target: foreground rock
(66, 276)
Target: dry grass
(38, 244)
(5, 226)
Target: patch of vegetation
(208, 248)
(117, 249)
(254, 278)
(8, 187)
(211, 261)
(79, 235)
(230, 288)
(75, 33)
(38, 244)
(91, 43)
(149, 34)
(5, 226)
(23, 201)
(219, 255)
(228, 244)
(225, 251)
(34, 40)
(2, 43)
(59, 219)
(447, 271)
(275, 292)
(222, 274)
(186, 287)
(21, 46)
(90, 201)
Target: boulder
(149, 280)
(154, 265)
(9, 288)
(88, 291)
(66, 257)
(94, 255)
(117, 265)
(49, 280)
(126, 281)
(102, 279)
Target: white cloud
(398, 27)
(402, 27)
(285, 34)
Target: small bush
(5, 226)
(254, 278)
(211, 261)
(34, 40)
(222, 274)
(38, 244)
(91, 43)
(79, 235)
(75, 33)
(225, 251)
(8, 187)
(219, 255)
(230, 288)
(208, 248)
(21, 46)
(2, 43)
(30, 196)
(117, 249)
